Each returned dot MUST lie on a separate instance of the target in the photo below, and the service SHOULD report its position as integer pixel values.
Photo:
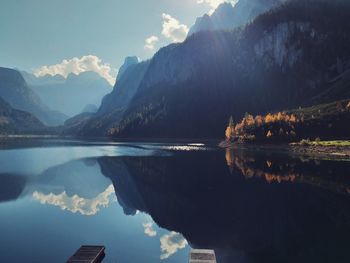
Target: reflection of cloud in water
(171, 243)
(76, 203)
(148, 229)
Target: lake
(153, 202)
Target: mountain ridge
(282, 59)
(227, 17)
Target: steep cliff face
(125, 88)
(274, 48)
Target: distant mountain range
(69, 96)
(287, 57)
(15, 91)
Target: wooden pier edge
(88, 254)
(202, 256)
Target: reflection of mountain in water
(299, 212)
(79, 177)
(76, 186)
(11, 186)
(127, 193)
(244, 220)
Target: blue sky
(35, 33)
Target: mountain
(113, 105)
(70, 95)
(15, 91)
(227, 17)
(14, 121)
(125, 88)
(285, 58)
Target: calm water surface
(152, 202)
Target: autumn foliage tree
(329, 120)
(275, 126)
(230, 129)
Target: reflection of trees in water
(283, 170)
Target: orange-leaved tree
(230, 129)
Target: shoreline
(334, 152)
(314, 151)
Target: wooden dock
(88, 254)
(202, 256)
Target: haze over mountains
(50, 99)
(70, 95)
(15, 91)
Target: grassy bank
(334, 143)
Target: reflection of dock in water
(202, 256)
(88, 254)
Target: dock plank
(202, 256)
(88, 254)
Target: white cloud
(78, 65)
(76, 204)
(148, 229)
(150, 42)
(171, 243)
(215, 3)
(173, 29)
